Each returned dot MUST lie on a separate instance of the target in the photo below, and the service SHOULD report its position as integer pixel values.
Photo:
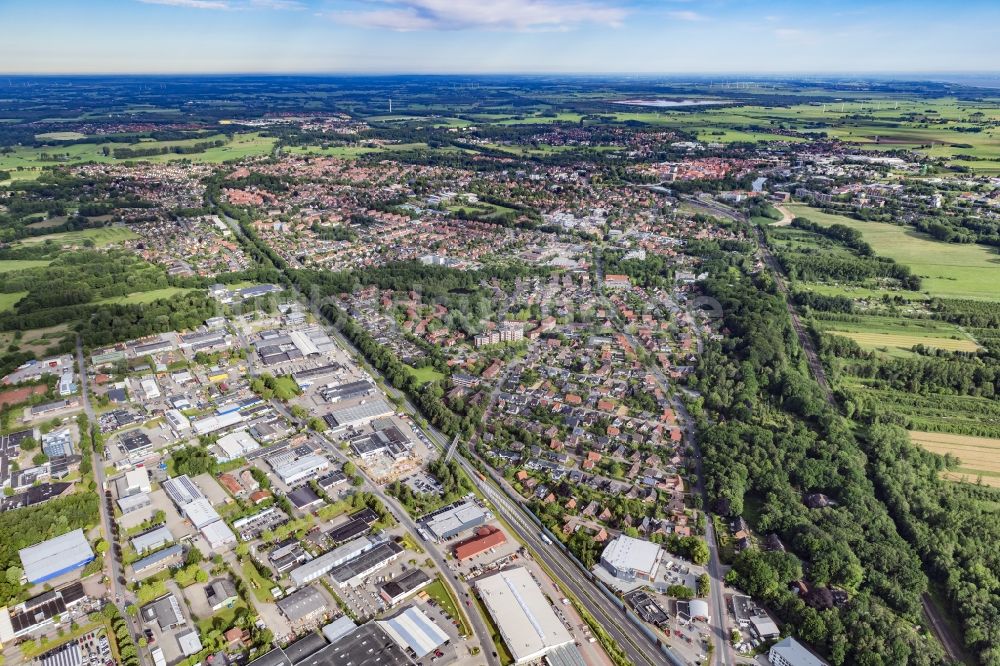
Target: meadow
(8, 265)
(897, 335)
(948, 270)
(101, 236)
(979, 457)
(144, 297)
(26, 162)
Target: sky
(499, 36)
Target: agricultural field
(28, 162)
(102, 236)
(8, 301)
(349, 152)
(9, 265)
(979, 457)
(949, 270)
(143, 297)
(897, 336)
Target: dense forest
(769, 438)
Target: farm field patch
(949, 270)
(978, 456)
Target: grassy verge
(260, 586)
(440, 592)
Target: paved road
(120, 596)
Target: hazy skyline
(496, 36)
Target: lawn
(949, 270)
(260, 586)
(101, 236)
(425, 374)
(143, 297)
(440, 593)
(8, 301)
(978, 456)
(891, 333)
(8, 265)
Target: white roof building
(523, 615)
(413, 630)
(789, 652)
(218, 534)
(236, 445)
(137, 480)
(153, 539)
(293, 471)
(200, 513)
(629, 558)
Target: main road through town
(119, 595)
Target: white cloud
(277, 4)
(686, 15)
(191, 4)
(498, 15)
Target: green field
(27, 162)
(102, 236)
(143, 297)
(897, 335)
(892, 341)
(8, 265)
(425, 374)
(7, 301)
(949, 270)
(60, 136)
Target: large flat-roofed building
(165, 612)
(628, 559)
(321, 565)
(353, 572)
(200, 513)
(182, 490)
(236, 445)
(132, 503)
(218, 535)
(57, 556)
(790, 652)
(41, 610)
(293, 469)
(158, 561)
(368, 645)
(414, 632)
(358, 415)
(403, 585)
(152, 539)
(523, 615)
(454, 519)
(302, 605)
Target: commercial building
(368, 645)
(40, 611)
(200, 513)
(158, 561)
(179, 423)
(152, 539)
(303, 605)
(293, 469)
(133, 482)
(629, 559)
(388, 441)
(132, 503)
(454, 519)
(529, 627)
(358, 415)
(402, 586)
(165, 612)
(353, 572)
(55, 557)
(189, 642)
(235, 445)
(339, 628)
(321, 565)
(218, 535)
(486, 537)
(414, 632)
(790, 652)
(210, 424)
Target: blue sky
(498, 36)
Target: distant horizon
(499, 37)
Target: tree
(14, 575)
(704, 585)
